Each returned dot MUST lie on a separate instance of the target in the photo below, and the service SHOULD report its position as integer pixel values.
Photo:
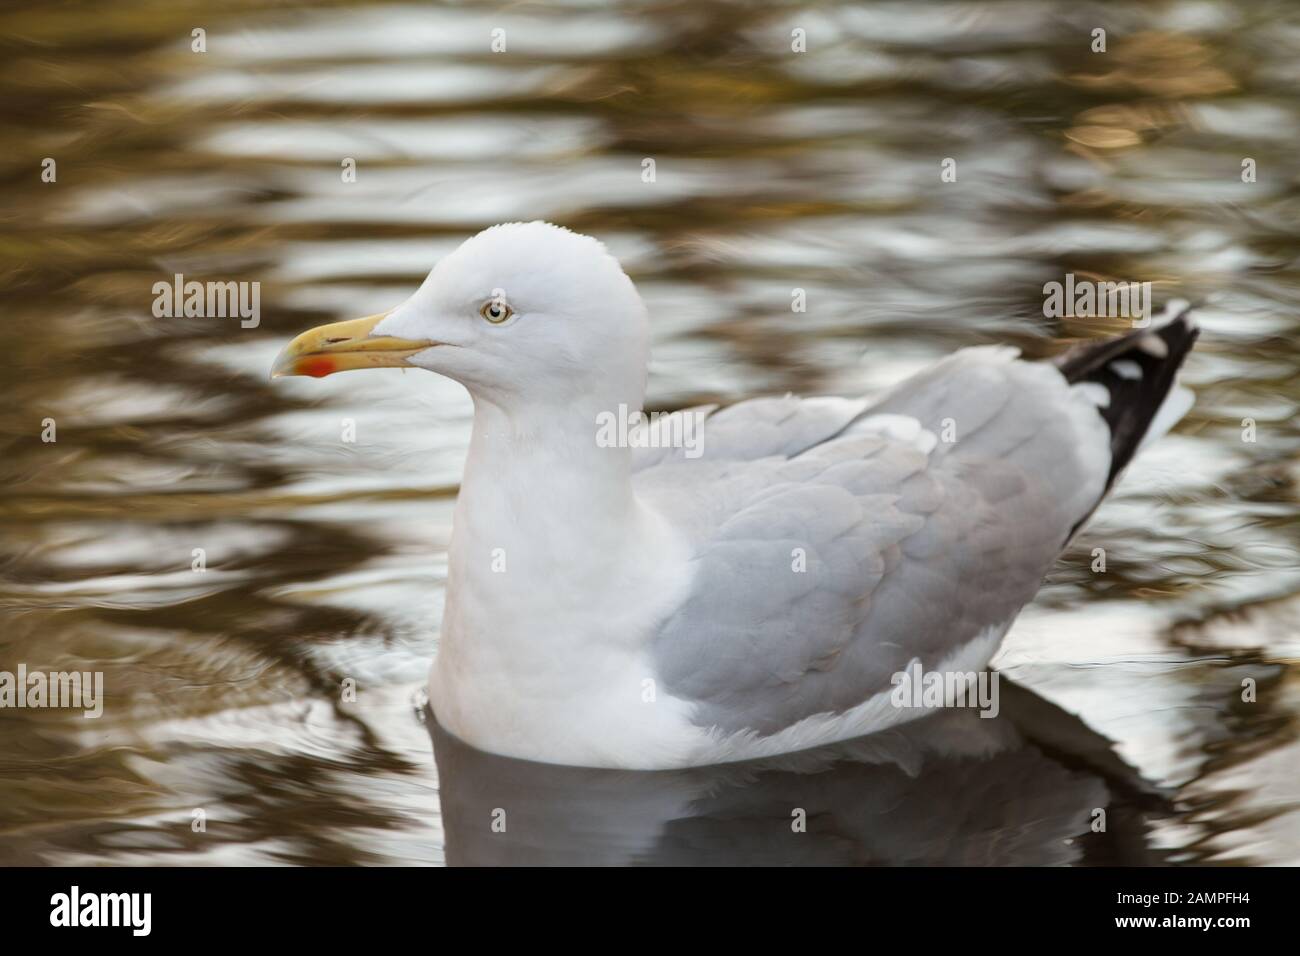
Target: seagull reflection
(1031, 788)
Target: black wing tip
(1137, 370)
(1178, 333)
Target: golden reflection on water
(325, 560)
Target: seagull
(623, 597)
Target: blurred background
(775, 170)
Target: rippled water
(325, 559)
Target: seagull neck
(545, 465)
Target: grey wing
(835, 543)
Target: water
(325, 559)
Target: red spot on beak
(317, 367)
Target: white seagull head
(522, 314)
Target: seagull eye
(495, 311)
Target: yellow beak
(343, 345)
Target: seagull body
(640, 606)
